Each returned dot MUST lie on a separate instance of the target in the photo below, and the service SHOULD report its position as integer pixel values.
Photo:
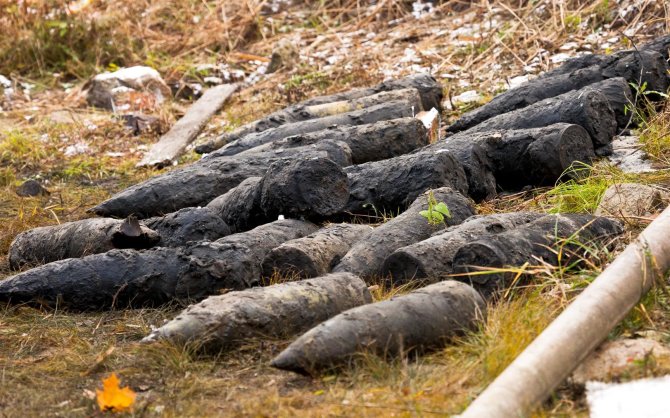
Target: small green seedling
(436, 211)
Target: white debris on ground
(629, 156)
(433, 38)
(213, 81)
(76, 149)
(517, 81)
(646, 398)
(421, 9)
(569, 46)
(431, 120)
(470, 96)
(275, 6)
(465, 48)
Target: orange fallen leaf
(114, 398)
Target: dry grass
(51, 361)
(654, 134)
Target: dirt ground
(52, 361)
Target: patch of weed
(297, 86)
(571, 22)
(18, 149)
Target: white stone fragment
(646, 398)
(470, 96)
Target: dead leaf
(243, 56)
(114, 398)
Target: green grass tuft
(582, 193)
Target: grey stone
(632, 199)
(284, 55)
(615, 358)
(139, 123)
(31, 188)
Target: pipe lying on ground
(391, 185)
(536, 240)
(369, 142)
(312, 188)
(385, 111)
(621, 99)
(204, 180)
(240, 207)
(366, 256)
(643, 67)
(421, 320)
(586, 107)
(430, 260)
(315, 254)
(429, 89)
(476, 164)
(188, 224)
(75, 239)
(518, 158)
(584, 324)
(279, 311)
(234, 262)
(131, 278)
(512, 159)
(93, 236)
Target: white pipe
(584, 324)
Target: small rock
(632, 199)
(517, 81)
(186, 91)
(31, 188)
(284, 55)
(213, 81)
(206, 69)
(559, 58)
(614, 358)
(470, 96)
(139, 123)
(569, 46)
(103, 89)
